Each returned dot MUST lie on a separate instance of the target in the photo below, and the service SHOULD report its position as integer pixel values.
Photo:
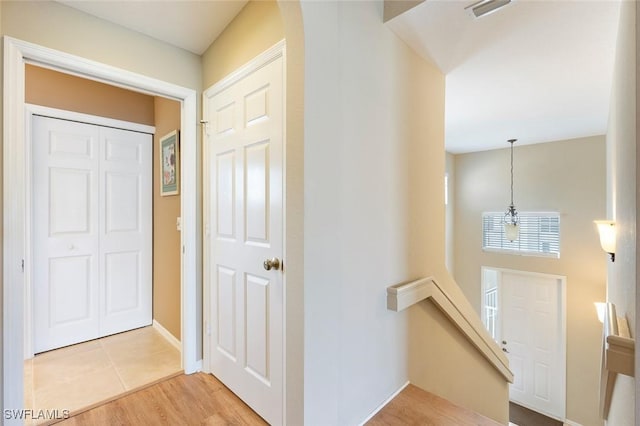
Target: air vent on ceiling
(485, 7)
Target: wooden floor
(197, 399)
(200, 399)
(414, 406)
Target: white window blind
(539, 234)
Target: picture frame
(169, 148)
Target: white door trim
(30, 111)
(562, 281)
(16, 54)
(277, 50)
(62, 114)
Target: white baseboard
(167, 335)
(197, 365)
(571, 423)
(385, 402)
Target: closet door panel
(125, 231)
(91, 231)
(65, 232)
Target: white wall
(621, 199)
(355, 350)
(374, 217)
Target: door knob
(273, 263)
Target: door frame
(60, 114)
(277, 50)
(16, 54)
(562, 283)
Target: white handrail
(401, 296)
(618, 355)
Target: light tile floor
(82, 375)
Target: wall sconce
(600, 308)
(607, 231)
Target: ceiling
(535, 70)
(190, 25)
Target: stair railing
(401, 296)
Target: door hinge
(22, 265)
(205, 124)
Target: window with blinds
(539, 234)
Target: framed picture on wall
(169, 164)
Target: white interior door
(245, 142)
(91, 231)
(533, 337)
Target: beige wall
(257, 27)
(568, 177)
(444, 362)
(64, 91)
(622, 200)
(374, 217)
(166, 237)
(450, 211)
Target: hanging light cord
(511, 216)
(511, 141)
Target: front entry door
(91, 231)
(245, 188)
(533, 337)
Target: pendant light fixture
(511, 221)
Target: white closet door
(65, 230)
(125, 230)
(91, 231)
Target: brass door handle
(273, 263)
